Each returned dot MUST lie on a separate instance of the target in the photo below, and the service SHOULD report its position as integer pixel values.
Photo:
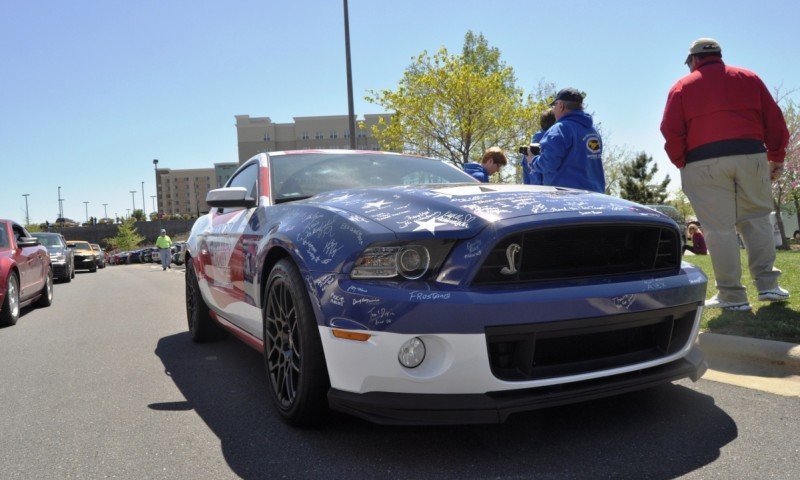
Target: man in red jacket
(728, 137)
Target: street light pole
(351, 114)
(60, 208)
(133, 202)
(105, 210)
(27, 217)
(143, 204)
(155, 207)
(86, 205)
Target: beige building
(184, 191)
(260, 134)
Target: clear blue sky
(92, 91)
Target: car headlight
(58, 257)
(411, 261)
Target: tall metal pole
(153, 197)
(105, 210)
(155, 207)
(133, 202)
(351, 115)
(86, 205)
(27, 217)
(60, 208)
(144, 205)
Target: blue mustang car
(400, 290)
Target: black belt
(725, 148)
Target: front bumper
(85, 262)
(495, 407)
(60, 269)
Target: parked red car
(26, 275)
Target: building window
(319, 136)
(334, 134)
(305, 136)
(347, 134)
(361, 135)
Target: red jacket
(716, 103)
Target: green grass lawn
(772, 321)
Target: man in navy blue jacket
(492, 161)
(571, 149)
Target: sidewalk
(753, 363)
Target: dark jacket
(572, 154)
(718, 111)
(529, 175)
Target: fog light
(412, 353)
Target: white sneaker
(715, 302)
(777, 294)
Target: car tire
(93, 269)
(71, 271)
(202, 327)
(293, 355)
(9, 312)
(46, 298)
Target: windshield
(3, 236)
(82, 246)
(48, 239)
(305, 175)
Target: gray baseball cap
(703, 45)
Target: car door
(30, 263)
(232, 252)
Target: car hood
(466, 208)
(55, 249)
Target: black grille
(572, 347)
(582, 252)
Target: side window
(19, 232)
(3, 237)
(247, 178)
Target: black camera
(532, 149)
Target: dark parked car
(400, 290)
(25, 272)
(61, 257)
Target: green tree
(682, 204)
(786, 189)
(139, 215)
(33, 227)
(453, 107)
(636, 184)
(127, 237)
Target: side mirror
(27, 242)
(230, 197)
(70, 245)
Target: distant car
(101, 255)
(66, 222)
(671, 212)
(401, 290)
(178, 253)
(26, 275)
(62, 257)
(85, 256)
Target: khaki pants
(729, 194)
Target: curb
(780, 355)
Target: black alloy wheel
(202, 327)
(293, 353)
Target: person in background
(163, 243)
(529, 175)
(572, 150)
(493, 160)
(728, 137)
(698, 246)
